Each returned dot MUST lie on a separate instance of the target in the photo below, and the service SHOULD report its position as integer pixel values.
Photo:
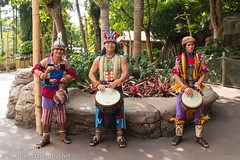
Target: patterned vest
(110, 68)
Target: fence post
(223, 68)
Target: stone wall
(231, 30)
(146, 117)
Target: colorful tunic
(51, 84)
(110, 69)
(49, 87)
(190, 71)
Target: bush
(82, 64)
(25, 48)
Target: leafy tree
(4, 2)
(25, 11)
(55, 10)
(165, 25)
(94, 12)
(81, 27)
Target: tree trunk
(104, 11)
(138, 5)
(36, 60)
(81, 28)
(1, 32)
(216, 18)
(94, 13)
(146, 27)
(54, 9)
(169, 51)
(148, 43)
(130, 43)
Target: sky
(73, 19)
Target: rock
(146, 117)
(22, 78)
(25, 108)
(143, 120)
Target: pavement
(221, 132)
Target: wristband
(184, 87)
(118, 82)
(38, 74)
(95, 84)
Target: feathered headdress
(58, 42)
(110, 36)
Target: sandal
(95, 140)
(43, 142)
(121, 142)
(63, 138)
(176, 140)
(202, 142)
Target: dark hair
(116, 50)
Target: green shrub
(25, 48)
(82, 64)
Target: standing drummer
(113, 71)
(60, 71)
(189, 72)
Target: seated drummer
(113, 71)
(189, 72)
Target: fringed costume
(190, 69)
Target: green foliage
(216, 49)
(25, 48)
(82, 63)
(26, 21)
(73, 35)
(165, 24)
(231, 6)
(213, 54)
(121, 15)
(4, 2)
(145, 69)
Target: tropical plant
(25, 48)
(82, 63)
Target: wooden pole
(223, 68)
(7, 52)
(36, 60)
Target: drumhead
(192, 102)
(107, 97)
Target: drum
(192, 103)
(60, 97)
(108, 100)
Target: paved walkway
(222, 133)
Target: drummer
(60, 71)
(113, 71)
(189, 72)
